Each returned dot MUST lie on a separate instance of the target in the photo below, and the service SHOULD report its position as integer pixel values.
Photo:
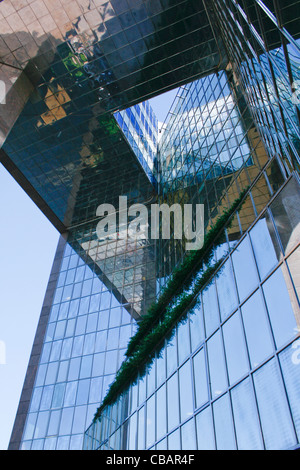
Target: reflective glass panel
(200, 377)
(290, 364)
(257, 329)
(226, 290)
(265, 245)
(216, 361)
(293, 264)
(173, 402)
(211, 309)
(186, 396)
(141, 429)
(188, 435)
(235, 350)
(279, 306)
(150, 429)
(274, 414)
(197, 327)
(224, 424)
(161, 408)
(286, 212)
(246, 421)
(205, 431)
(183, 336)
(174, 440)
(245, 269)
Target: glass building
(218, 366)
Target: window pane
(235, 350)
(83, 392)
(294, 263)
(223, 424)
(113, 338)
(188, 435)
(51, 373)
(260, 344)
(161, 406)
(150, 429)
(286, 212)
(183, 336)
(245, 417)
(205, 432)
(66, 421)
(211, 309)
(111, 362)
(218, 379)
(197, 326)
(98, 365)
(171, 356)
(50, 443)
(245, 269)
(79, 420)
(132, 432)
(162, 445)
(265, 245)
(186, 396)
(41, 424)
(200, 377)
(58, 395)
(280, 309)
(174, 441)
(273, 409)
(46, 397)
(161, 367)
(54, 423)
(30, 425)
(141, 432)
(173, 402)
(70, 396)
(226, 290)
(290, 363)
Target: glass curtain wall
(228, 378)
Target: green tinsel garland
(161, 320)
(136, 365)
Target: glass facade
(226, 376)
(85, 340)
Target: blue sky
(28, 242)
(162, 103)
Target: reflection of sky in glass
(264, 242)
(237, 361)
(257, 329)
(140, 126)
(274, 413)
(280, 309)
(245, 269)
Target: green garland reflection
(177, 300)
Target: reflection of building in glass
(140, 126)
(223, 374)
